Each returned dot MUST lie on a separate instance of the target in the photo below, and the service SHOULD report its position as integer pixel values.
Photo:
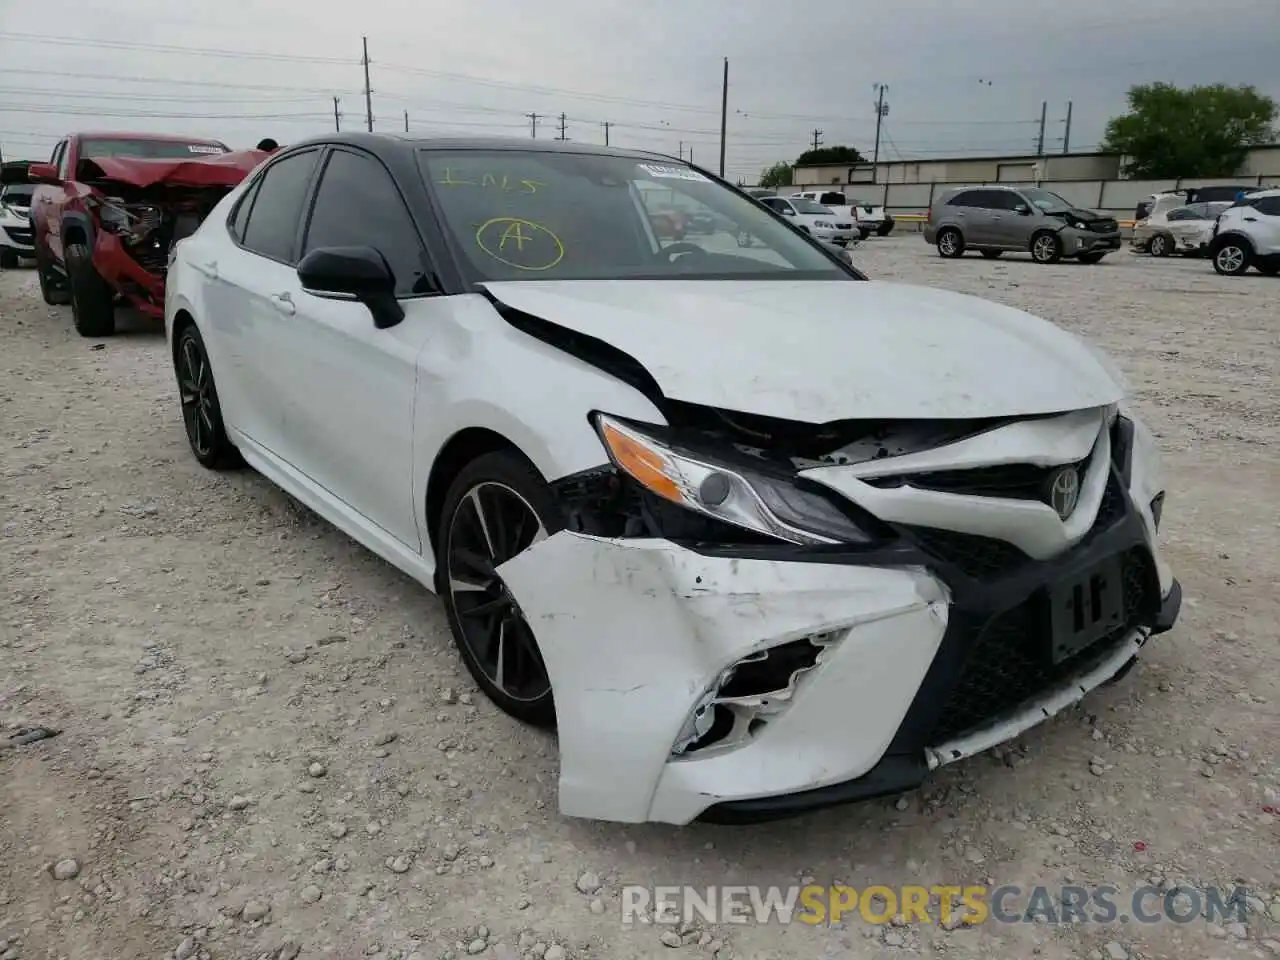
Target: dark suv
(1023, 219)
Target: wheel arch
(466, 445)
(1239, 236)
(182, 319)
(77, 228)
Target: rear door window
(276, 217)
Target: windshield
(809, 206)
(541, 215)
(1045, 200)
(150, 149)
(833, 200)
(17, 195)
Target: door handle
(208, 268)
(1251, 219)
(284, 303)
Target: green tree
(1204, 131)
(778, 175)
(829, 155)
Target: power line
(169, 48)
(148, 97)
(167, 81)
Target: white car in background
(815, 219)
(1179, 229)
(870, 218)
(755, 534)
(15, 224)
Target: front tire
(201, 411)
(52, 287)
(950, 243)
(1232, 257)
(497, 507)
(1046, 247)
(92, 301)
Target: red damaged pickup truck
(109, 207)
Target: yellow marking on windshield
(489, 181)
(545, 249)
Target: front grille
(1011, 481)
(20, 235)
(977, 557)
(1104, 226)
(1007, 663)
(844, 226)
(985, 557)
(151, 258)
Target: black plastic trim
(1169, 610)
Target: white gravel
(158, 616)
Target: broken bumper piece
(684, 680)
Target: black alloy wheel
(495, 512)
(201, 413)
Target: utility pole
(368, 93)
(606, 124)
(406, 121)
(882, 111)
(1044, 109)
(724, 112)
(817, 138)
(562, 136)
(337, 123)
(691, 153)
(533, 124)
(681, 150)
(1066, 134)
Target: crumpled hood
(817, 351)
(215, 170)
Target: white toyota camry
(756, 534)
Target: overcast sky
(963, 76)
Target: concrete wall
(1090, 180)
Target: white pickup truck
(870, 218)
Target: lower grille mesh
(1006, 663)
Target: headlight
(823, 225)
(745, 498)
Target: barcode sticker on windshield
(660, 172)
(203, 148)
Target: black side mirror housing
(353, 273)
(1022, 210)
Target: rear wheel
(1232, 256)
(1160, 245)
(993, 254)
(497, 507)
(92, 301)
(1046, 247)
(950, 242)
(1269, 267)
(885, 228)
(201, 412)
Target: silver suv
(996, 219)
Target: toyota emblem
(1064, 491)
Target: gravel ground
(269, 749)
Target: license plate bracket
(1085, 608)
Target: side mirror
(353, 273)
(788, 212)
(1022, 209)
(43, 173)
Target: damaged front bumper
(917, 660)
